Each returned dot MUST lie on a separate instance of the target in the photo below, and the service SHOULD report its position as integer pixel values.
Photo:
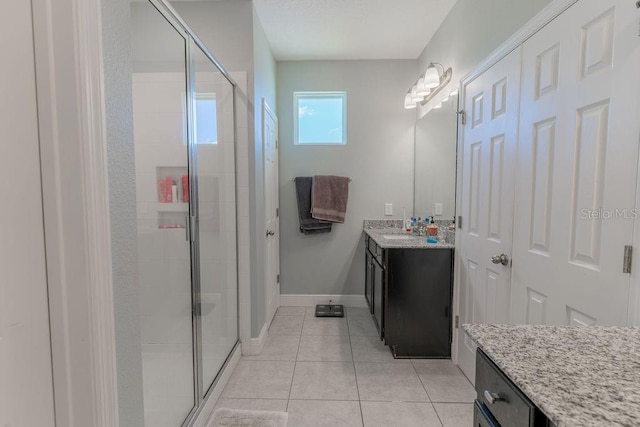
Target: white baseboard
(311, 300)
(257, 344)
(203, 418)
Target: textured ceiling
(350, 29)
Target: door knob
(271, 233)
(500, 259)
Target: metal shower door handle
(500, 259)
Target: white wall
(264, 87)
(471, 31)
(116, 19)
(224, 27)
(378, 157)
(233, 33)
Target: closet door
(577, 165)
(488, 155)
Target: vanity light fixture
(421, 89)
(428, 85)
(432, 75)
(408, 101)
(415, 97)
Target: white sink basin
(397, 236)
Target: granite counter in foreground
(577, 375)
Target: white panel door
(577, 165)
(26, 387)
(271, 199)
(486, 202)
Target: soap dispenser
(432, 229)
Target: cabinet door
(378, 295)
(417, 320)
(368, 282)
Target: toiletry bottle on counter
(432, 229)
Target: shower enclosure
(184, 134)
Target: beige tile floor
(336, 372)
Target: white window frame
(314, 95)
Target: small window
(320, 118)
(206, 123)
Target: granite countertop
(414, 242)
(577, 375)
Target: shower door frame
(201, 391)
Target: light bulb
(408, 102)
(431, 77)
(421, 89)
(414, 94)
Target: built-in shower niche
(173, 197)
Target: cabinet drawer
(482, 417)
(510, 407)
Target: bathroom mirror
(435, 162)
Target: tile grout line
(425, 390)
(353, 361)
(295, 362)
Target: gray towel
(308, 225)
(329, 196)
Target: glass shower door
(213, 140)
(159, 84)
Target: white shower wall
(164, 254)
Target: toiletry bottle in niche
(185, 188)
(174, 192)
(168, 189)
(162, 191)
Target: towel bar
(294, 180)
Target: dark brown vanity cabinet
(374, 281)
(500, 402)
(409, 292)
(368, 281)
(378, 295)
